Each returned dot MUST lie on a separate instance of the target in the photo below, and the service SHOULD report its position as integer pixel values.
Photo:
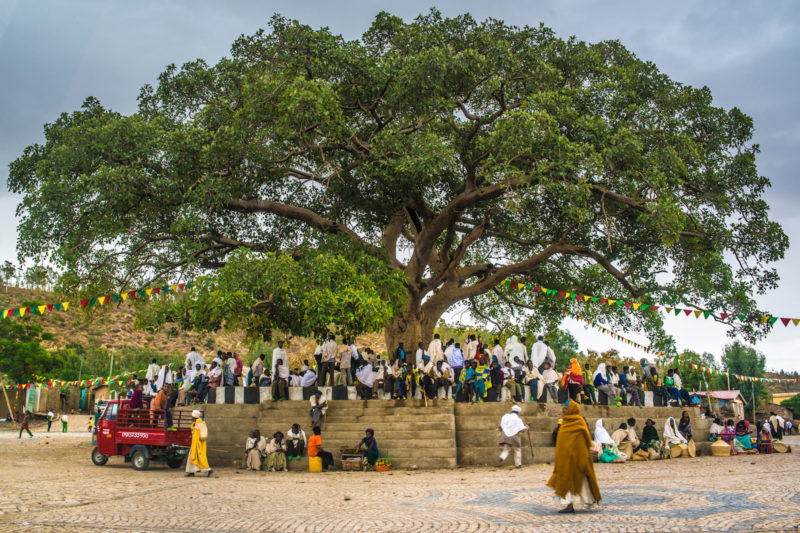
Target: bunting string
(19, 312)
(636, 306)
(669, 359)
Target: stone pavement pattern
(49, 484)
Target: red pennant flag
(84, 303)
(49, 307)
(157, 290)
(628, 304)
(602, 300)
(723, 316)
(560, 294)
(654, 308)
(687, 311)
(786, 321)
(535, 288)
(132, 295)
(181, 286)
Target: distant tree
(9, 272)
(21, 351)
(745, 360)
(793, 403)
(564, 345)
(38, 277)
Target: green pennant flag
(115, 298)
(743, 318)
(773, 319)
(677, 311)
(165, 288)
(595, 298)
(141, 292)
(92, 302)
(706, 314)
(645, 307)
(507, 283)
(620, 303)
(574, 296)
(57, 307)
(190, 285)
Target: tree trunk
(416, 324)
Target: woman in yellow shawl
(573, 478)
(197, 461)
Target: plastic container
(315, 464)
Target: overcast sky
(54, 54)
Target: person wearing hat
(197, 460)
(319, 406)
(511, 425)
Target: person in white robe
(511, 426)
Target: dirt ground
(50, 484)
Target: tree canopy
(459, 152)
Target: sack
(640, 455)
(692, 449)
(653, 455)
(203, 431)
(780, 447)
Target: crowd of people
(740, 437)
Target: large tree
(462, 153)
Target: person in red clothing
(237, 370)
(26, 419)
(315, 450)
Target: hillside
(112, 326)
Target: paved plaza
(49, 484)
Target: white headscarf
(514, 348)
(511, 424)
(600, 433)
(601, 369)
(673, 436)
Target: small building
(727, 400)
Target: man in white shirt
(471, 348)
(164, 377)
(327, 362)
(280, 380)
(539, 353)
(444, 378)
(279, 353)
(309, 378)
(319, 406)
(550, 378)
(425, 371)
(366, 380)
(551, 355)
(420, 353)
(435, 349)
(345, 362)
(152, 371)
(257, 369)
(497, 351)
(192, 358)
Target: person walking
(511, 426)
(573, 479)
(50, 417)
(26, 419)
(64, 423)
(198, 460)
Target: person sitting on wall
(551, 379)
(214, 374)
(295, 442)
(319, 406)
(366, 379)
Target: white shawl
(601, 369)
(600, 433)
(511, 424)
(672, 436)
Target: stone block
(296, 393)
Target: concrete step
(467, 439)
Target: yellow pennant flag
(124, 296)
(697, 313)
(764, 319)
(101, 300)
(544, 291)
(567, 295)
(5, 314)
(22, 311)
(586, 298)
(669, 309)
(520, 286)
(148, 291)
(64, 305)
(41, 309)
(174, 287)
(612, 302)
(796, 321)
(637, 306)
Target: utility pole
(8, 404)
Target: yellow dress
(197, 453)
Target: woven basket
(720, 448)
(382, 468)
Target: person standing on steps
(328, 362)
(511, 426)
(435, 349)
(198, 460)
(573, 478)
